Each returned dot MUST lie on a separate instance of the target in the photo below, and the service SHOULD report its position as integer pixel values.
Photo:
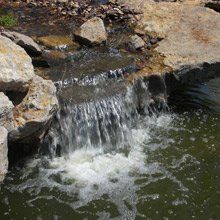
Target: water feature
(160, 165)
(104, 158)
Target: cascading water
(103, 123)
(97, 124)
(101, 148)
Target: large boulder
(92, 32)
(34, 114)
(189, 33)
(192, 39)
(3, 152)
(6, 115)
(24, 41)
(16, 70)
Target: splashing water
(89, 174)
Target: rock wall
(26, 121)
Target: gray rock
(136, 42)
(3, 153)
(24, 41)
(16, 70)
(92, 32)
(6, 115)
(34, 114)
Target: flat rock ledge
(22, 120)
(189, 33)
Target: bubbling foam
(92, 172)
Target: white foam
(87, 175)
(92, 166)
(89, 167)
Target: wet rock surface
(3, 153)
(57, 41)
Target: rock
(40, 62)
(50, 58)
(136, 42)
(198, 42)
(189, 34)
(24, 41)
(92, 32)
(16, 70)
(34, 114)
(6, 115)
(30, 118)
(56, 41)
(3, 153)
(34, 99)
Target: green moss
(8, 20)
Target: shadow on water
(204, 96)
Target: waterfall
(101, 123)
(97, 149)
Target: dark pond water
(170, 171)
